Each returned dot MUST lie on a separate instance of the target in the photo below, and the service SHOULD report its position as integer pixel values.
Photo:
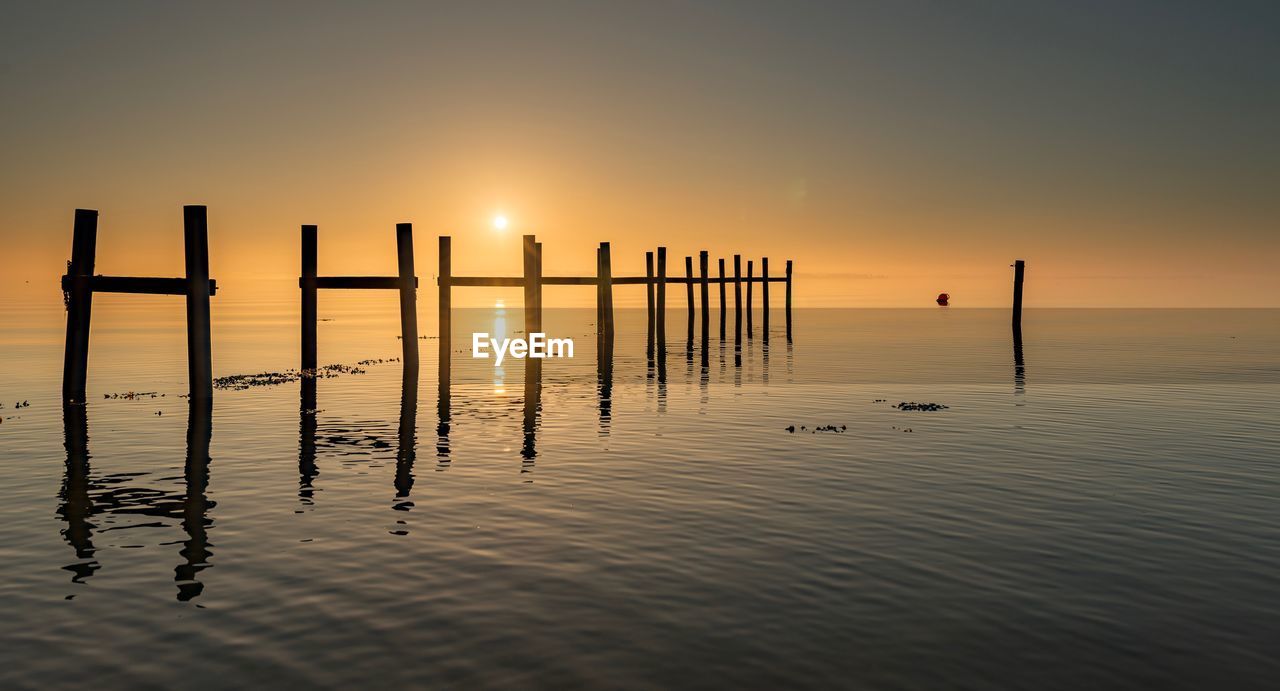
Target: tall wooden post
(199, 344)
(1019, 267)
(706, 312)
(661, 298)
(688, 273)
(530, 285)
(648, 289)
(408, 296)
(445, 339)
(722, 288)
(599, 294)
(764, 297)
(309, 307)
(606, 289)
(788, 301)
(750, 274)
(75, 362)
(537, 294)
(737, 301)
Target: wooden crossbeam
(137, 285)
(360, 282)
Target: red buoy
(943, 299)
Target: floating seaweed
(926, 407)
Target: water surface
(1094, 509)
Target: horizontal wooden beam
(360, 282)
(518, 281)
(140, 285)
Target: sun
(500, 222)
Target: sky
(1129, 152)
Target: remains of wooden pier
(604, 281)
(404, 281)
(80, 283)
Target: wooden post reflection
(407, 435)
(76, 507)
(532, 406)
(307, 470)
(195, 508)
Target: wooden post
(199, 345)
(408, 296)
(648, 289)
(788, 301)
(737, 301)
(446, 331)
(764, 297)
(722, 288)
(706, 313)
(606, 289)
(688, 273)
(309, 307)
(750, 273)
(1019, 267)
(661, 292)
(530, 285)
(537, 294)
(599, 294)
(75, 362)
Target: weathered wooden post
(788, 301)
(737, 301)
(75, 363)
(1019, 267)
(706, 314)
(309, 295)
(722, 288)
(445, 282)
(661, 292)
(764, 297)
(530, 285)
(606, 289)
(408, 295)
(199, 343)
(688, 274)
(648, 289)
(538, 273)
(750, 274)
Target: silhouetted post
(530, 285)
(764, 297)
(309, 309)
(706, 314)
(750, 274)
(722, 310)
(75, 363)
(537, 294)
(606, 289)
(446, 333)
(599, 294)
(1019, 267)
(408, 296)
(737, 301)
(788, 301)
(661, 317)
(688, 273)
(648, 289)
(199, 345)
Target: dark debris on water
(926, 407)
(791, 429)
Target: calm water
(1098, 511)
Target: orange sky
(892, 153)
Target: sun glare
(500, 222)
